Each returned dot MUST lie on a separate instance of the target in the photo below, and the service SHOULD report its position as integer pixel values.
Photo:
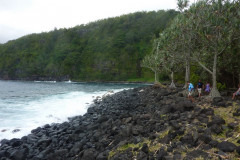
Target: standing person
(199, 87)
(208, 88)
(190, 91)
(237, 92)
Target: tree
(106, 50)
(213, 24)
(169, 52)
(181, 22)
(153, 61)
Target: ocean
(27, 105)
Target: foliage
(107, 50)
(221, 86)
(213, 24)
(203, 34)
(194, 78)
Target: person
(207, 89)
(190, 91)
(199, 87)
(237, 92)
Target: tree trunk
(172, 85)
(156, 77)
(187, 73)
(214, 92)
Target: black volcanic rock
(123, 121)
(196, 154)
(226, 146)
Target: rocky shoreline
(145, 123)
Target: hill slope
(107, 50)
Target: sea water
(27, 105)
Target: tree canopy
(204, 34)
(107, 50)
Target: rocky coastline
(146, 123)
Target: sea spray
(27, 105)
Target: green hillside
(105, 50)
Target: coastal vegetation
(207, 34)
(106, 50)
(200, 41)
(150, 122)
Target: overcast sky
(22, 17)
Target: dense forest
(106, 50)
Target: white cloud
(21, 17)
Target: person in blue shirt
(190, 91)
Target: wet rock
(15, 142)
(4, 141)
(46, 126)
(2, 153)
(36, 130)
(15, 130)
(44, 142)
(18, 154)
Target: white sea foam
(53, 109)
(25, 106)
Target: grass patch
(126, 147)
(215, 155)
(226, 113)
(163, 134)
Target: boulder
(18, 154)
(226, 146)
(144, 148)
(161, 154)
(238, 150)
(15, 142)
(197, 154)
